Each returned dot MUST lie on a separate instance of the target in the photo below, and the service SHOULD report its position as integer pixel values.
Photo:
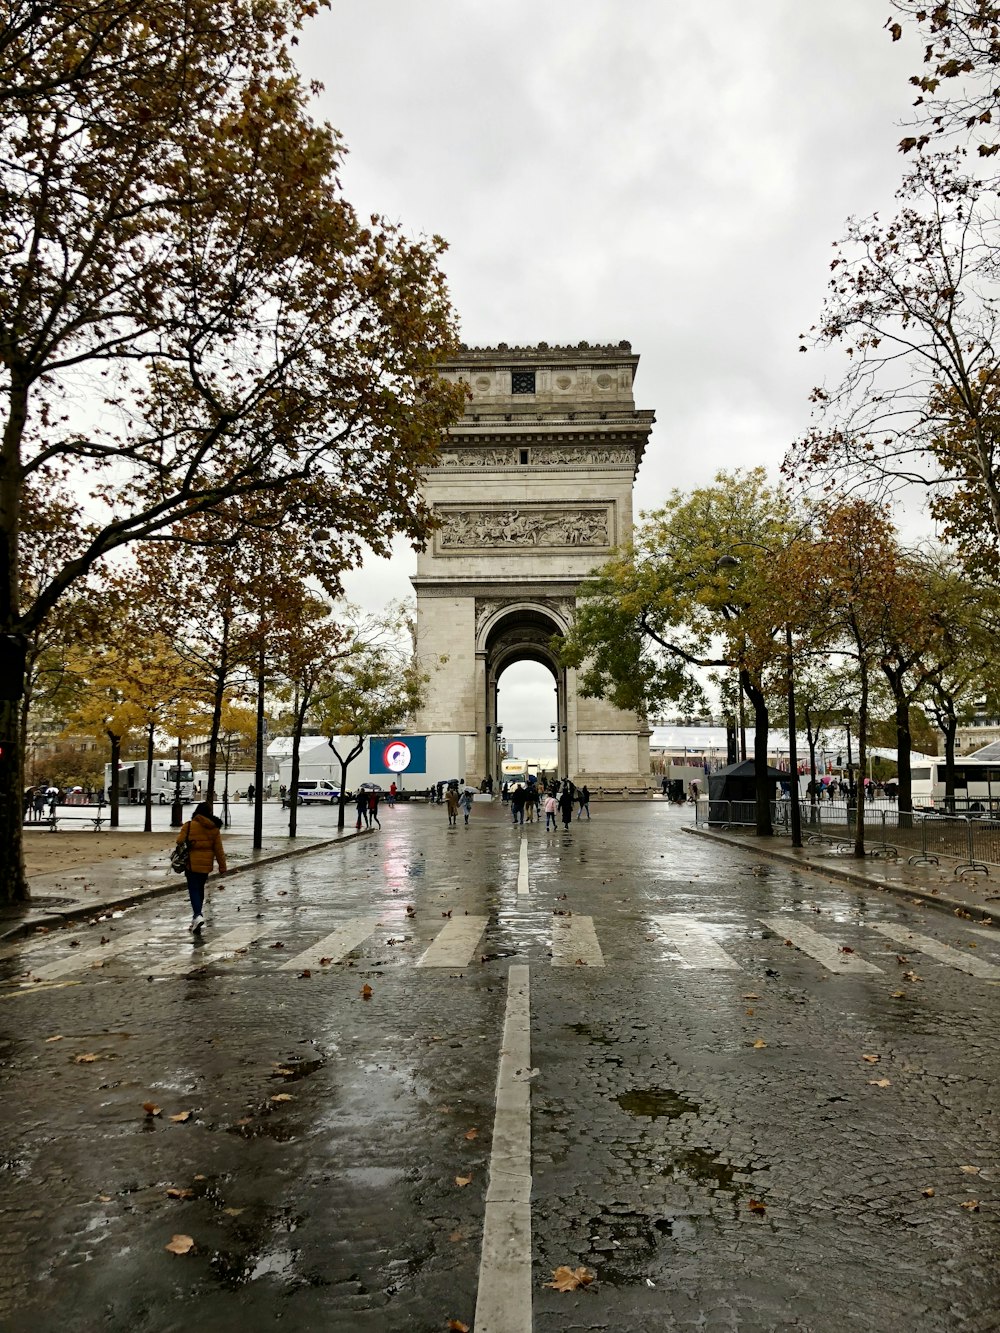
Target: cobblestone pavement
(757, 1100)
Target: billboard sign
(397, 754)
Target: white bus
(163, 781)
(977, 786)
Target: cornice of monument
(542, 353)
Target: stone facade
(533, 489)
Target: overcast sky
(673, 174)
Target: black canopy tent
(737, 782)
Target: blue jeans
(196, 891)
(550, 814)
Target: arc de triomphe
(532, 490)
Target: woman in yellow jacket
(202, 832)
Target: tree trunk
(904, 741)
(950, 730)
(112, 793)
(859, 806)
(344, 764)
(258, 770)
(13, 882)
(763, 790)
(302, 707)
(811, 737)
(218, 697)
(148, 825)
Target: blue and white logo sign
(396, 756)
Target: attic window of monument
(522, 381)
(524, 455)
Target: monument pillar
(532, 491)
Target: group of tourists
(528, 800)
(838, 789)
(40, 802)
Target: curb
(83, 909)
(952, 905)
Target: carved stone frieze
(470, 529)
(478, 457)
(580, 456)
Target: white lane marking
(214, 949)
(335, 946)
(83, 958)
(522, 868)
(503, 1301)
(817, 946)
(695, 943)
(455, 944)
(944, 953)
(574, 937)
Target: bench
(52, 821)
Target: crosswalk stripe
(575, 939)
(455, 944)
(214, 950)
(522, 868)
(944, 953)
(335, 946)
(77, 961)
(817, 946)
(695, 943)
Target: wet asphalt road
(319, 1167)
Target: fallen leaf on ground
(181, 1116)
(278, 944)
(928, 1193)
(969, 1170)
(456, 1326)
(199, 1177)
(305, 975)
(755, 1206)
(472, 1134)
(445, 1110)
(759, 1045)
(898, 995)
(282, 1097)
(87, 1058)
(151, 1108)
(972, 1205)
(911, 976)
(232, 1212)
(455, 1237)
(871, 1059)
(283, 1069)
(448, 913)
(180, 1245)
(879, 1082)
(244, 1120)
(366, 992)
(749, 1013)
(325, 962)
(57, 1037)
(846, 948)
(751, 995)
(104, 1198)
(176, 1193)
(570, 1279)
(462, 1181)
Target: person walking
(583, 796)
(566, 806)
(466, 803)
(373, 809)
(517, 798)
(361, 804)
(452, 802)
(550, 812)
(392, 793)
(202, 833)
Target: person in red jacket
(202, 832)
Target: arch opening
(527, 718)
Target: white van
(314, 793)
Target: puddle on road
(657, 1103)
(585, 1030)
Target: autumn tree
(696, 589)
(372, 690)
(913, 302)
(851, 570)
(190, 311)
(958, 83)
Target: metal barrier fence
(974, 843)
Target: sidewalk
(60, 896)
(972, 898)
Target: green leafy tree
(700, 587)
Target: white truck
(131, 781)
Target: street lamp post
(793, 757)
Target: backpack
(180, 857)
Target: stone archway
(521, 632)
(531, 492)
